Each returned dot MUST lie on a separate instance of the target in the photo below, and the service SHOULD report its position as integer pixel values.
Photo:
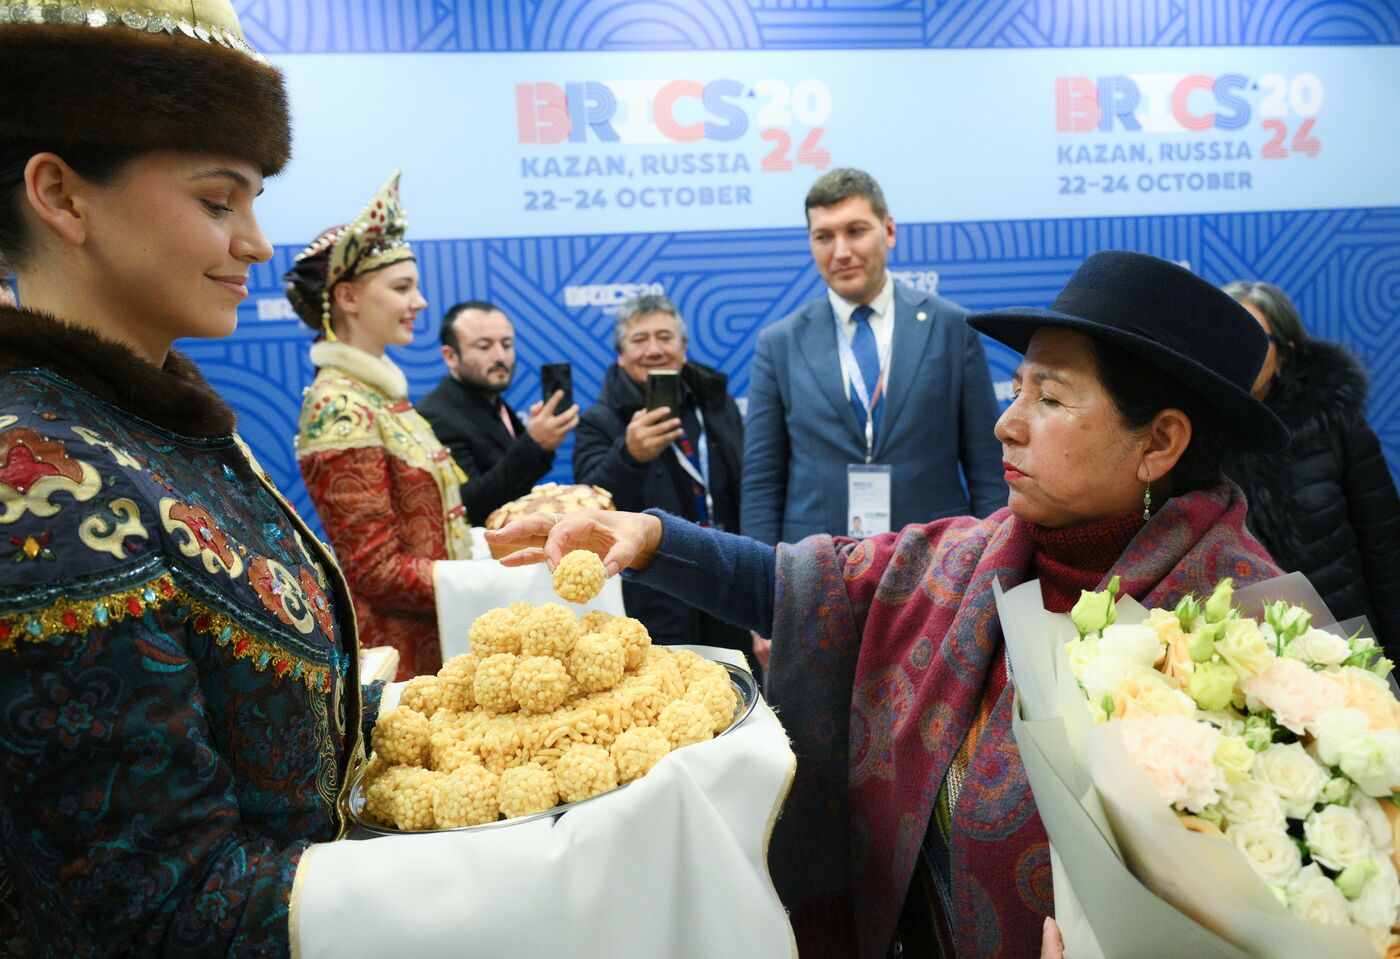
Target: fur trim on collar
(1323, 388)
(379, 372)
(174, 397)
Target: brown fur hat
(115, 86)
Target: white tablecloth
(469, 587)
(671, 867)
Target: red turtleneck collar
(1078, 557)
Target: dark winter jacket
(1327, 506)
(601, 459)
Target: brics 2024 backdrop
(562, 155)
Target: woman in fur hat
(1327, 505)
(386, 490)
(178, 676)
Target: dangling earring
(326, 316)
(1147, 502)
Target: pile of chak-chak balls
(548, 708)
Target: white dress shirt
(881, 324)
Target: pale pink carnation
(1295, 693)
(1177, 756)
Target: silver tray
(741, 679)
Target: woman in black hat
(1327, 505)
(179, 695)
(910, 820)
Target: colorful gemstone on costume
(281, 594)
(202, 539)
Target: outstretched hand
(620, 540)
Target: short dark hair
(1289, 334)
(1140, 391)
(833, 186)
(100, 164)
(447, 334)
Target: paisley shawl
(882, 649)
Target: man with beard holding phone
(665, 433)
(502, 457)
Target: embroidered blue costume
(179, 699)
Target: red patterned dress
(388, 494)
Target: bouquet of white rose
(1277, 737)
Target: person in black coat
(685, 462)
(501, 457)
(1327, 506)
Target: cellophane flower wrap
(1275, 735)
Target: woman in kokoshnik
(388, 493)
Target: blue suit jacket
(800, 431)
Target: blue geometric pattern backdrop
(1249, 169)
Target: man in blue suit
(875, 395)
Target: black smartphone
(664, 389)
(555, 377)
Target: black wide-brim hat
(1168, 317)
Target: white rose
(1318, 646)
(1314, 897)
(1333, 728)
(1294, 776)
(1337, 837)
(1379, 901)
(1372, 761)
(1107, 668)
(1251, 803)
(1244, 647)
(1135, 643)
(1376, 820)
(1270, 851)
